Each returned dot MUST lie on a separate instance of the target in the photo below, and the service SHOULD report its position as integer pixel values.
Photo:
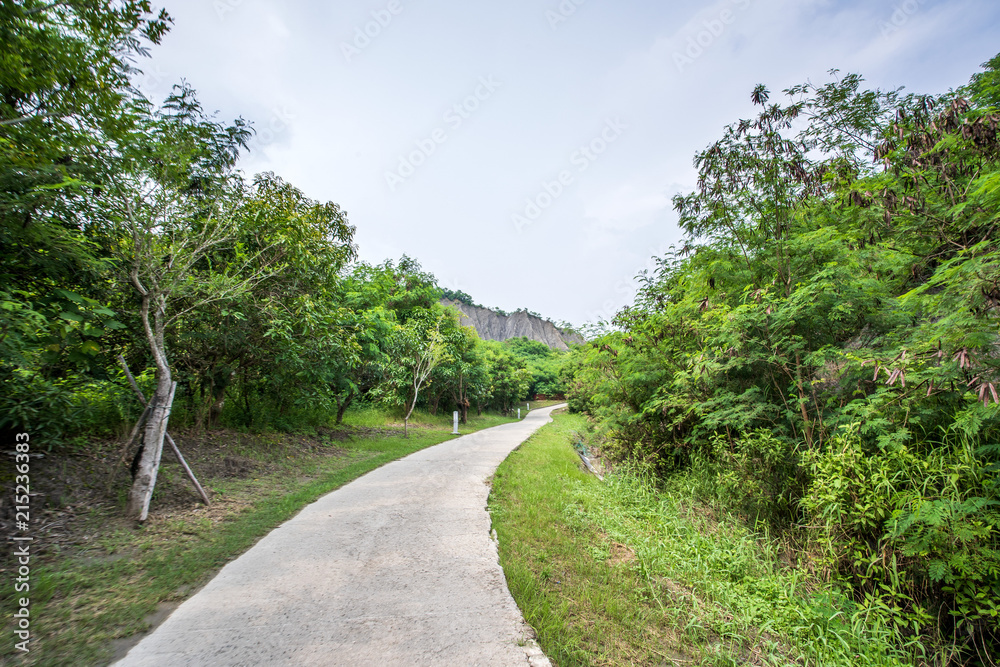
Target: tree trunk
(162, 401)
(409, 411)
(802, 401)
(462, 403)
(220, 376)
(342, 407)
(463, 400)
(149, 464)
(220, 383)
(170, 441)
(245, 389)
(215, 412)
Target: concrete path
(395, 568)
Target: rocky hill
(492, 325)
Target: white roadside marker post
(455, 416)
(519, 413)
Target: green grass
(624, 573)
(365, 416)
(557, 569)
(83, 601)
(374, 417)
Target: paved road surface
(395, 568)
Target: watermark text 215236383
(22, 539)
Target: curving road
(395, 568)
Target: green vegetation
(625, 572)
(544, 363)
(821, 355)
(105, 585)
(805, 392)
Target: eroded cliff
(492, 325)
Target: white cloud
(626, 207)
(337, 126)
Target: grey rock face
(491, 325)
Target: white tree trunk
(152, 451)
(162, 401)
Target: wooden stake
(127, 447)
(187, 470)
(170, 441)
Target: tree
(289, 335)
(171, 200)
(464, 375)
(508, 377)
(984, 88)
(544, 363)
(64, 94)
(419, 349)
(823, 349)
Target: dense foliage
(823, 352)
(545, 365)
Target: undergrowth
(630, 571)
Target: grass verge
(624, 573)
(94, 595)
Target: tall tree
(290, 329)
(172, 193)
(64, 94)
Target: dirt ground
(78, 493)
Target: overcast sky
(526, 151)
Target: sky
(526, 151)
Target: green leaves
(837, 297)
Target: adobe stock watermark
(22, 539)
(453, 119)
(223, 7)
(452, 284)
(152, 81)
(627, 288)
(631, 286)
(266, 135)
(581, 159)
(711, 31)
(371, 30)
(601, 318)
(563, 12)
(901, 15)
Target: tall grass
(628, 572)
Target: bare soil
(78, 494)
